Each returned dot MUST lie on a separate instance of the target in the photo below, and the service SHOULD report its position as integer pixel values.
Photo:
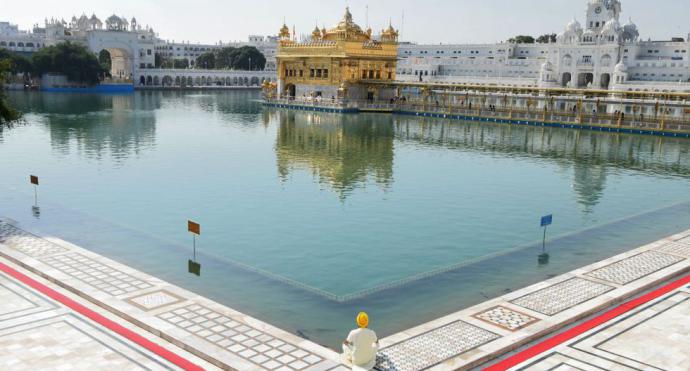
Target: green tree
(17, 63)
(243, 58)
(521, 39)
(181, 63)
(546, 38)
(225, 57)
(105, 60)
(162, 61)
(8, 115)
(248, 58)
(206, 61)
(72, 60)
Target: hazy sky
(437, 21)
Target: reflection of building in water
(345, 152)
(591, 155)
(96, 126)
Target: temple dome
(612, 26)
(346, 29)
(574, 26)
(621, 68)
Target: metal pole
(35, 195)
(543, 243)
(194, 244)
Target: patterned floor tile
(67, 342)
(96, 274)
(27, 243)
(433, 347)
(506, 318)
(676, 248)
(244, 341)
(16, 301)
(561, 296)
(635, 267)
(155, 300)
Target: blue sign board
(546, 220)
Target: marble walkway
(214, 336)
(476, 335)
(654, 335)
(218, 335)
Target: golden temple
(338, 63)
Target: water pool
(308, 218)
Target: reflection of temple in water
(343, 151)
(590, 155)
(96, 126)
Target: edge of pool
(479, 333)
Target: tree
(206, 61)
(105, 60)
(225, 57)
(72, 60)
(161, 61)
(181, 63)
(8, 115)
(243, 58)
(546, 38)
(248, 58)
(521, 39)
(17, 63)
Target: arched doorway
(290, 90)
(118, 62)
(605, 80)
(567, 78)
(584, 79)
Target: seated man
(359, 350)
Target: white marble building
(602, 53)
(132, 48)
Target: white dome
(590, 33)
(630, 32)
(621, 68)
(573, 26)
(113, 19)
(612, 26)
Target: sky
(428, 21)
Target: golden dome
(389, 34)
(284, 32)
(346, 29)
(316, 34)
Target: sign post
(545, 222)
(34, 181)
(192, 266)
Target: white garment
(362, 348)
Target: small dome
(621, 68)
(113, 19)
(612, 26)
(573, 26)
(547, 66)
(630, 32)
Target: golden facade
(337, 62)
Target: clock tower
(597, 14)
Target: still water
(308, 218)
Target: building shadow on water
(344, 152)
